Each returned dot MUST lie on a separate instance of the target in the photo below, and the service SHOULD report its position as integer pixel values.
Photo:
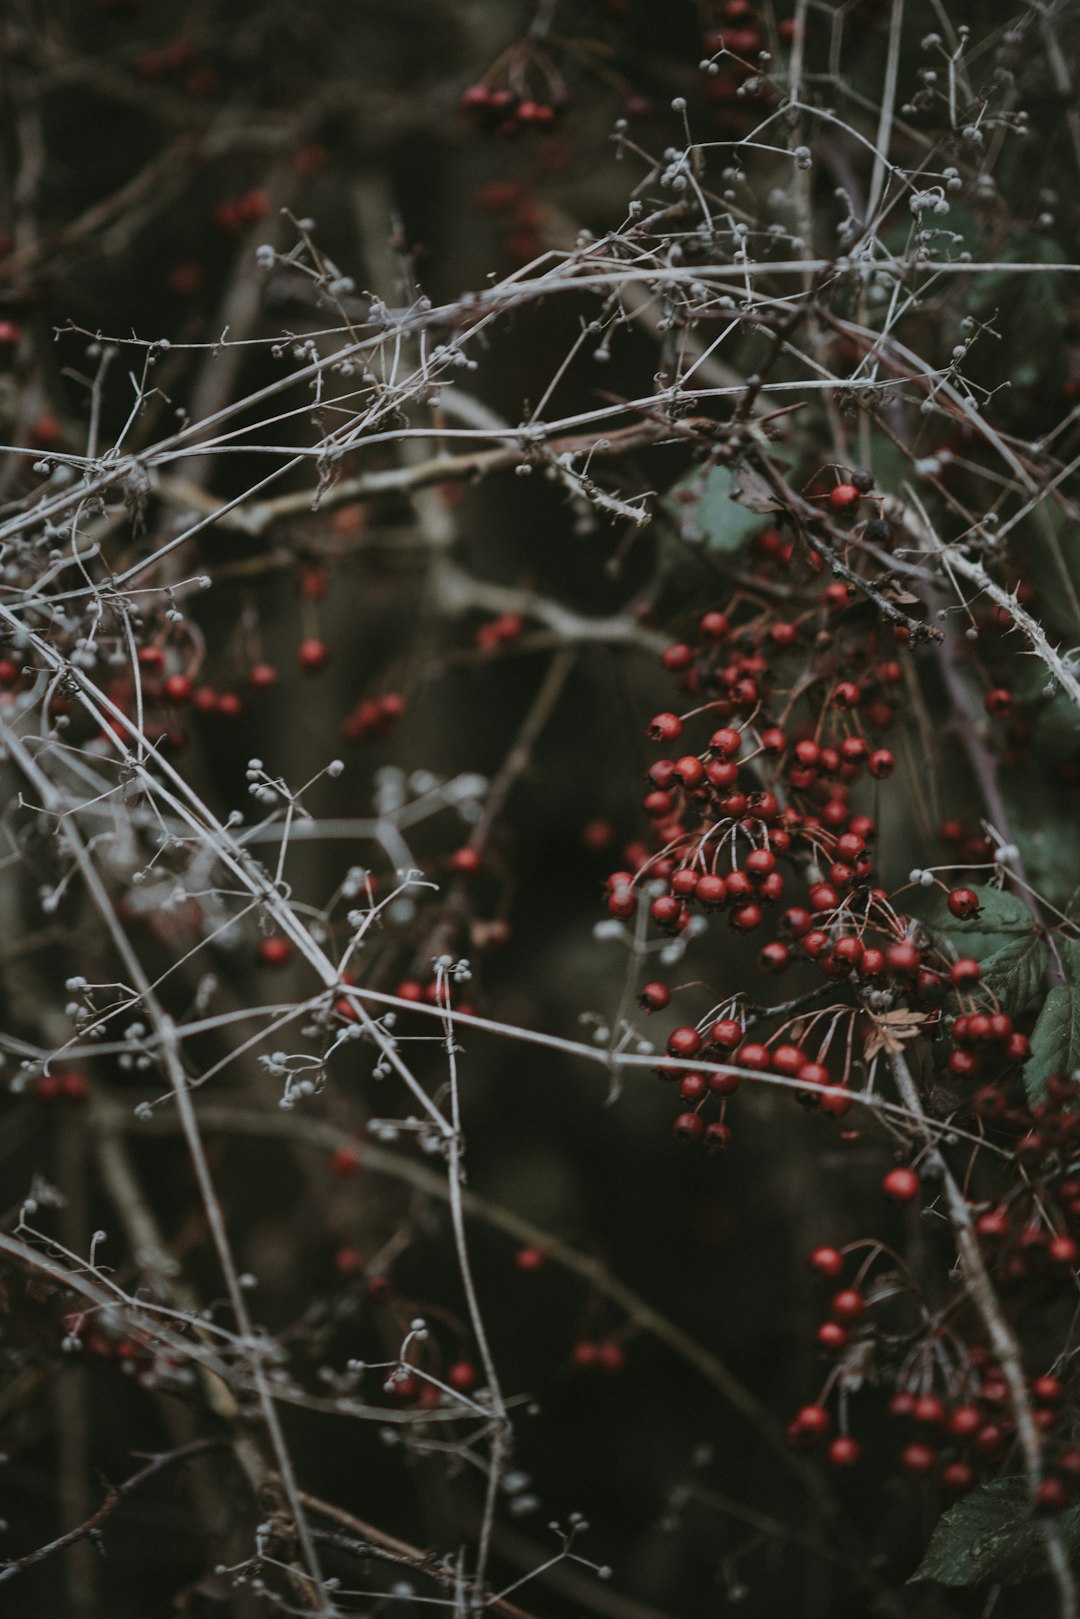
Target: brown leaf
(750, 490)
(891, 1029)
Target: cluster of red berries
(950, 1439)
(499, 633)
(67, 1086)
(237, 213)
(374, 717)
(509, 111)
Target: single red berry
(881, 764)
(178, 688)
(1051, 1496)
(654, 997)
(832, 1337)
(901, 1185)
(530, 1259)
(1064, 1251)
(711, 889)
(848, 1305)
(684, 1042)
(918, 1460)
(844, 498)
(344, 1162)
(262, 676)
(929, 1411)
(828, 1262)
(311, 655)
(812, 1422)
(844, 1451)
(958, 1478)
(677, 658)
(727, 1033)
(998, 702)
(275, 951)
(688, 1127)
(965, 973)
(462, 1376)
(902, 957)
(963, 902)
(466, 861)
(665, 727)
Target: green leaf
(713, 512)
(1055, 1040)
(1047, 834)
(1015, 972)
(991, 1535)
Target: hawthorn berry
(312, 655)
(848, 1305)
(275, 951)
(689, 1127)
(901, 1185)
(844, 498)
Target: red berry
(1051, 1496)
(665, 727)
(844, 1451)
(881, 764)
(677, 657)
(311, 655)
(684, 1042)
(654, 997)
(848, 1305)
(726, 1033)
(958, 1478)
(902, 957)
(178, 688)
(688, 1127)
(918, 1460)
(928, 1411)
(902, 1185)
(963, 902)
(812, 1422)
(530, 1259)
(828, 1262)
(844, 498)
(275, 951)
(344, 1162)
(462, 1376)
(711, 889)
(998, 702)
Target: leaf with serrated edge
(991, 1535)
